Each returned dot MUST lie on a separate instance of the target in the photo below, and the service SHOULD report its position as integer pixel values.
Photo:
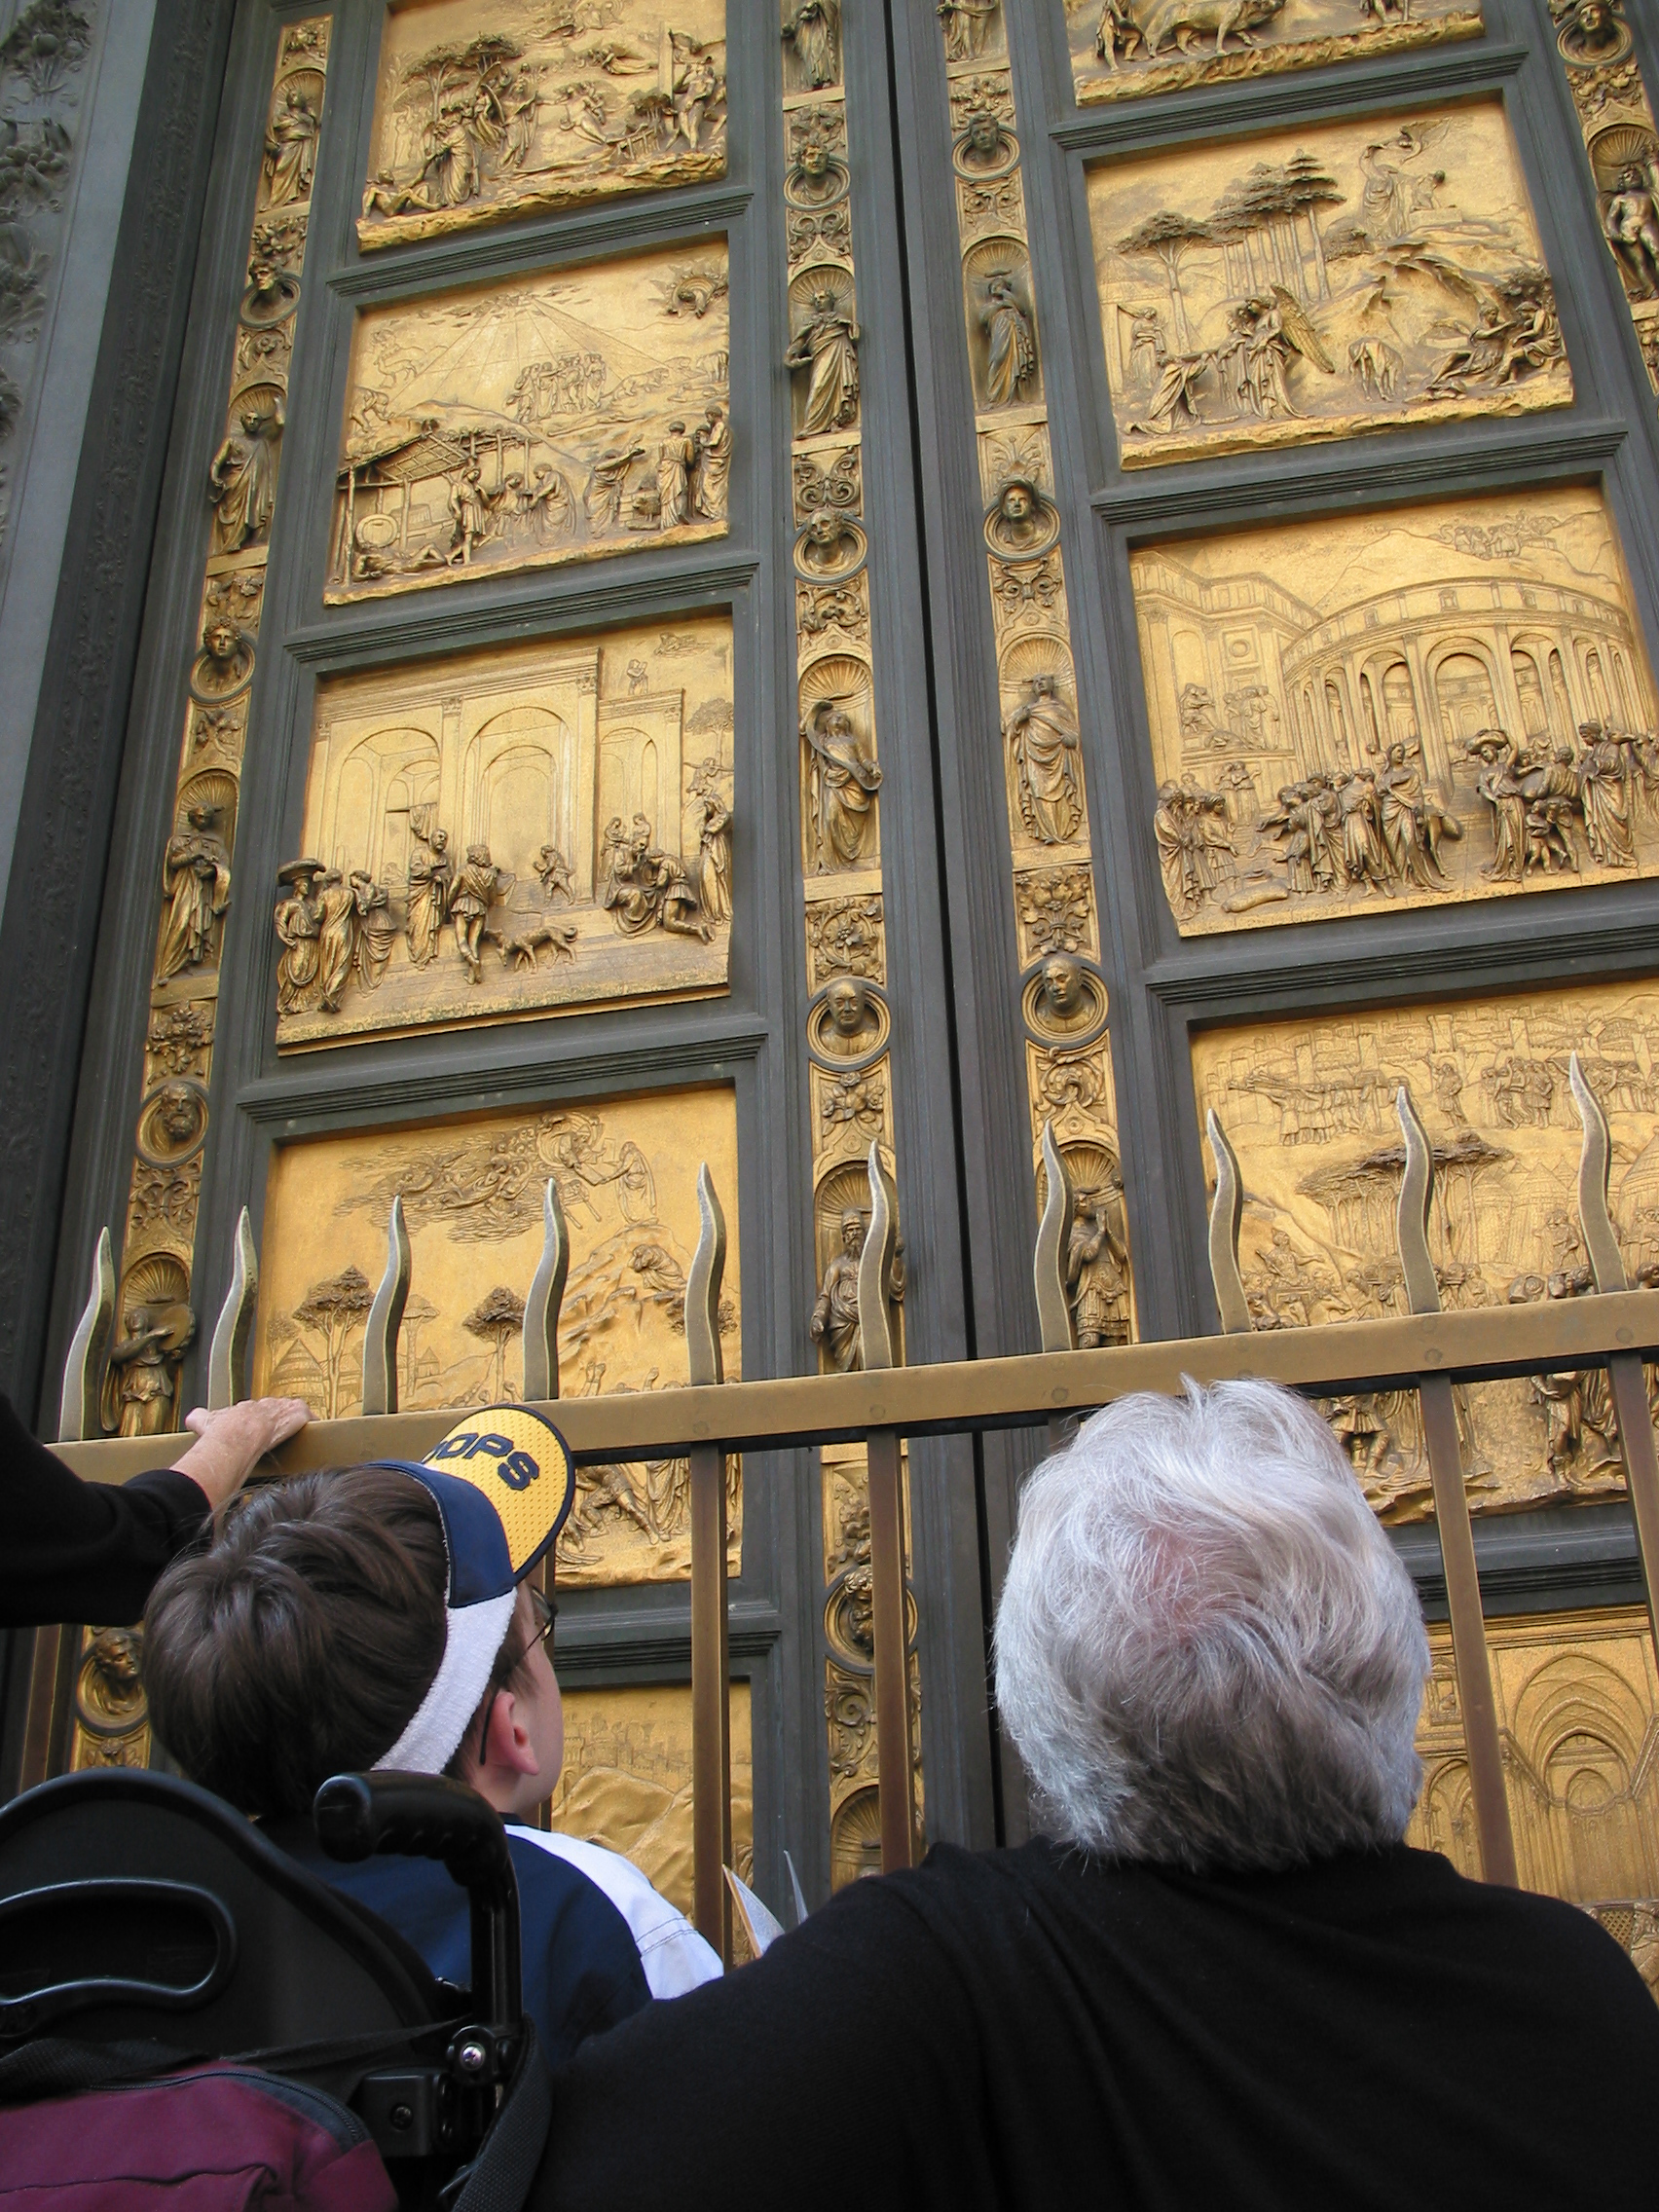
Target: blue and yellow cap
(503, 1482)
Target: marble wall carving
(515, 831)
(1428, 704)
(1308, 1106)
(473, 1199)
(543, 420)
(43, 56)
(1122, 49)
(487, 113)
(1344, 278)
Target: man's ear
(506, 1740)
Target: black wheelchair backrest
(135, 1904)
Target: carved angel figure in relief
(1043, 737)
(141, 1381)
(1098, 1259)
(243, 479)
(430, 875)
(828, 345)
(298, 921)
(841, 785)
(814, 31)
(290, 150)
(196, 877)
(1011, 364)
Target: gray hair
(1207, 1651)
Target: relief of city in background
(485, 112)
(547, 419)
(511, 832)
(626, 1782)
(1121, 48)
(1426, 703)
(1344, 278)
(1310, 1108)
(472, 1194)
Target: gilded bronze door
(740, 585)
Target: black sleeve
(74, 1551)
(700, 2098)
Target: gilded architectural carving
(1122, 49)
(43, 56)
(1578, 1715)
(543, 420)
(1309, 1107)
(482, 114)
(626, 1780)
(516, 831)
(1062, 995)
(155, 1323)
(1313, 285)
(1426, 703)
(473, 1201)
(1616, 117)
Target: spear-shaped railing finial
(78, 1407)
(546, 1295)
(386, 1319)
(875, 1268)
(1056, 1323)
(702, 1286)
(1227, 1212)
(228, 1380)
(1595, 1165)
(1416, 1192)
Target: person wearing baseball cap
(387, 1616)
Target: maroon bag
(220, 2138)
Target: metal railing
(1425, 1350)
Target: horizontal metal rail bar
(956, 1396)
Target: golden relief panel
(547, 419)
(1316, 283)
(484, 113)
(1578, 1715)
(626, 1782)
(1309, 1105)
(1433, 703)
(1122, 49)
(520, 831)
(472, 1201)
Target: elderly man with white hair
(1220, 1977)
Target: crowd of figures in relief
(1348, 277)
(1121, 48)
(1310, 1108)
(546, 419)
(486, 113)
(1459, 707)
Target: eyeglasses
(547, 1613)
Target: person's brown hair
(300, 1642)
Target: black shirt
(74, 1551)
(1028, 2029)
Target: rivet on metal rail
(546, 1295)
(78, 1408)
(1601, 1239)
(1226, 1211)
(386, 1319)
(1056, 1324)
(703, 1287)
(233, 1332)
